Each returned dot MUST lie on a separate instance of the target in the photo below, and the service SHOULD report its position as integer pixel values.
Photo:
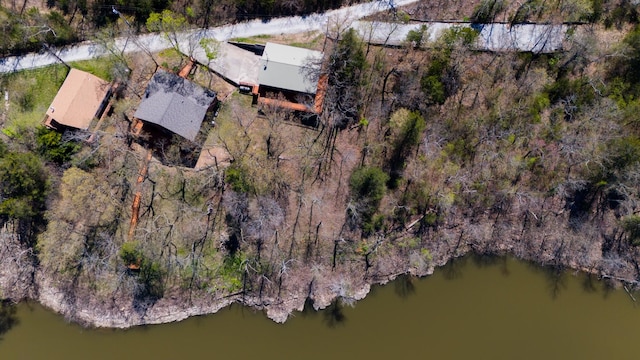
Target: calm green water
(503, 310)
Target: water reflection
(590, 283)
(8, 316)
(555, 277)
(491, 260)
(497, 306)
(334, 314)
(404, 286)
(453, 269)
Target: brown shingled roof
(79, 99)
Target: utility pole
(113, 9)
(130, 34)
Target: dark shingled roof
(174, 103)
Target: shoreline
(316, 283)
(168, 310)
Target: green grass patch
(170, 53)
(231, 272)
(170, 59)
(226, 125)
(100, 67)
(32, 91)
(30, 94)
(311, 44)
(258, 39)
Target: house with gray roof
(293, 73)
(175, 104)
(289, 68)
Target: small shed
(289, 68)
(81, 98)
(175, 104)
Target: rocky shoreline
(319, 285)
(173, 309)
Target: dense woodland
(424, 152)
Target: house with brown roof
(176, 104)
(81, 98)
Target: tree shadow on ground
(8, 316)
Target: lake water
(499, 309)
